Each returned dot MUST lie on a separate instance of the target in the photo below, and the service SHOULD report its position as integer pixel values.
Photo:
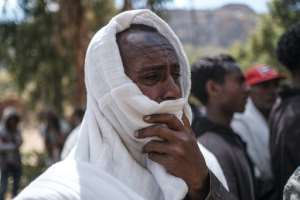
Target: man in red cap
(252, 125)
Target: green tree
(45, 50)
(260, 47)
(285, 12)
(154, 5)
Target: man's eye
(176, 75)
(150, 79)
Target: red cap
(261, 73)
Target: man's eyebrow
(176, 66)
(153, 67)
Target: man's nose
(171, 89)
(246, 88)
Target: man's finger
(159, 130)
(169, 119)
(156, 147)
(161, 159)
(186, 121)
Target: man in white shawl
(135, 140)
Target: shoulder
(211, 139)
(221, 149)
(51, 185)
(70, 179)
(289, 106)
(290, 115)
(213, 165)
(219, 146)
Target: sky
(260, 6)
(11, 11)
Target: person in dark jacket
(221, 88)
(285, 116)
(10, 157)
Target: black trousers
(12, 171)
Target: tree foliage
(154, 5)
(43, 50)
(260, 47)
(285, 12)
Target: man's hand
(178, 151)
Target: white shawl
(107, 158)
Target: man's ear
(213, 88)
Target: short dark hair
(288, 48)
(209, 68)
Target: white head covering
(115, 110)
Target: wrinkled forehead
(140, 40)
(135, 43)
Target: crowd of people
(138, 139)
(54, 131)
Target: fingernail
(147, 117)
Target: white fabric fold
(115, 111)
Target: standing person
(285, 116)
(252, 125)
(10, 158)
(220, 86)
(135, 140)
(52, 132)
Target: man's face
(151, 62)
(264, 94)
(234, 93)
(12, 123)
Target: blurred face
(234, 92)
(264, 94)
(150, 61)
(12, 123)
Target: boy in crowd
(220, 86)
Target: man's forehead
(135, 37)
(144, 42)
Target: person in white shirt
(252, 125)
